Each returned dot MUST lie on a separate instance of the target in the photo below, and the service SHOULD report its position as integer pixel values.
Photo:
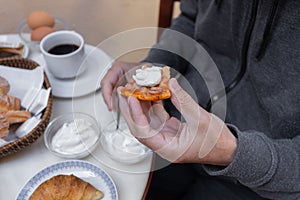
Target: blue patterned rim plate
(82, 169)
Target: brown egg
(40, 18)
(40, 32)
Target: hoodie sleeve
(269, 167)
(169, 42)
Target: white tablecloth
(17, 169)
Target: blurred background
(96, 20)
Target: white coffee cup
(66, 61)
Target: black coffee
(63, 49)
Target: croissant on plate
(67, 187)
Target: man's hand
(202, 138)
(110, 80)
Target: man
(255, 153)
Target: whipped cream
(148, 76)
(74, 137)
(122, 146)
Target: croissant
(4, 126)
(17, 116)
(4, 86)
(9, 103)
(68, 187)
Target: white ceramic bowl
(121, 146)
(24, 32)
(72, 135)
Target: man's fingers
(108, 84)
(110, 81)
(158, 116)
(140, 126)
(123, 105)
(107, 90)
(136, 112)
(184, 103)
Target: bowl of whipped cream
(73, 135)
(121, 146)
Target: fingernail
(109, 105)
(173, 84)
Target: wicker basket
(31, 137)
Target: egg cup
(24, 32)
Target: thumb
(184, 103)
(136, 112)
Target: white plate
(82, 169)
(12, 38)
(97, 61)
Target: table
(17, 169)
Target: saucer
(97, 61)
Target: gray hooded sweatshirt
(255, 45)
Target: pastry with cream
(149, 84)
